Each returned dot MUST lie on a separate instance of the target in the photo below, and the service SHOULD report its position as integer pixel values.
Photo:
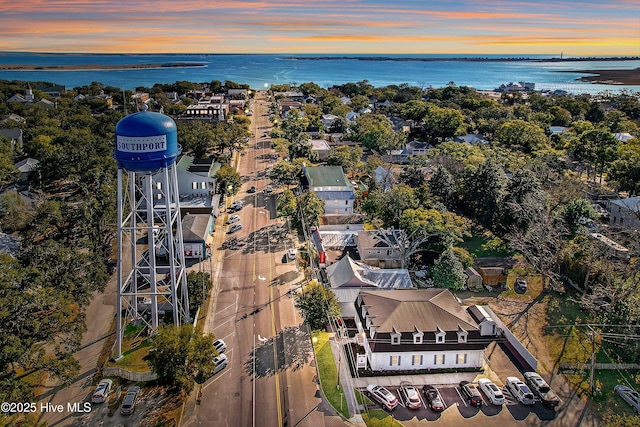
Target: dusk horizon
(578, 28)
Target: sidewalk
(215, 267)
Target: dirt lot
(152, 408)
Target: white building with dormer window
(418, 329)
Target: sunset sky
(576, 28)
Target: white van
(520, 391)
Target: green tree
(345, 156)
(483, 191)
(521, 135)
(317, 304)
(448, 271)
(595, 147)
(625, 171)
(440, 229)
(287, 204)
(198, 286)
(442, 123)
(412, 176)
(575, 212)
(180, 354)
(442, 185)
(8, 172)
(311, 207)
(375, 132)
(560, 116)
(15, 213)
(359, 102)
(228, 179)
(285, 173)
(196, 136)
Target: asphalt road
(254, 313)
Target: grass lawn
(480, 246)
(379, 418)
(328, 372)
(606, 401)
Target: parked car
(493, 393)
(521, 285)
(233, 218)
(252, 189)
(220, 361)
(291, 254)
(383, 396)
(220, 346)
(520, 391)
(410, 395)
(433, 398)
(540, 388)
(234, 228)
(101, 393)
(128, 406)
(471, 393)
(629, 395)
(268, 189)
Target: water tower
(151, 275)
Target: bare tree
(404, 244)
(541, 242)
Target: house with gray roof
(471, 138)
(331, 185)
(417, 329)
(196, 185)
(625, 212)
(14, 135)
(25, 167)
(380, 250)
(320, 147)
(348, 277)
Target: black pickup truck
(541, 389)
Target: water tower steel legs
(143, 293)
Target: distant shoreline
(455, 59)
(610, 77)
(86, 67)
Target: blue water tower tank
(146, 141)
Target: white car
(233, 218)
(382, 396)
(410, 395)
(629, 395)
(102, 391)
(491, 391)
(291, 254)
(220, 346)
(234, 228)
(221, 361)
(520, 391)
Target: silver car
(629, 395)
(221, 361)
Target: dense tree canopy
(180, 355)
(317, 304)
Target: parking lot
(451, 395)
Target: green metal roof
(327, 176)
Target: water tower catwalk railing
(151, 269)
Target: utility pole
(592, 338)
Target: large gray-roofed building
(348, 277)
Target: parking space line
(217, 377)
(461, 397)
